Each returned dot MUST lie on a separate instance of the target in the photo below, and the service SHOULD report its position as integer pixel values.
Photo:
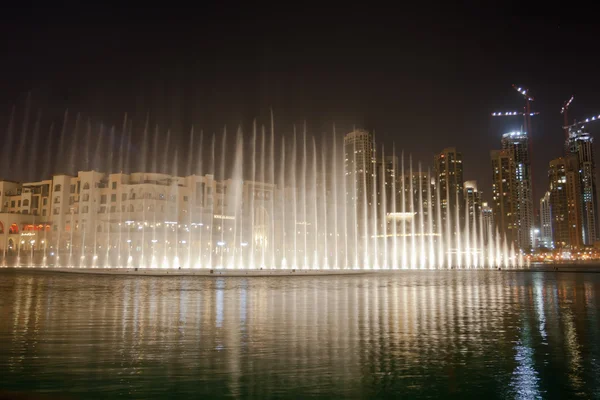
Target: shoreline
(284, 272)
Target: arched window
(1, 227)
(26, 203)
(14, 228)
(86, 186)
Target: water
(415, 334)
(134, 196)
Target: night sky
(423, 83)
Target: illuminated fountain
(243, 201)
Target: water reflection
(439, 333)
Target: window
(124, 197)
(85, 209)
(185, 198)
(71, 200)
(19, 203)
(86, 197)
(12, 204)
(130, 208)
(45, 202)
(113, 197)
(113, 209)
(86, 186)
(114, 185)
(57, 188)
(72, 188)
(44, 212)
(56, 211)
(56, 200)
(103, 199)
(26, 203)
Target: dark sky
(423, 83)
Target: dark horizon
(423, 84)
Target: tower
(359, 167)
(516, 144)
(472, 203)
(580, 145)
(546, 221)
(504, 198)
(449, 175)
(564, 202)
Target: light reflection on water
(417, 334)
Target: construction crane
(511, 113)
(565, 112)
(586, 121)
(527, 114)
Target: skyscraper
(546, 221)
(472, 203)
(359, 164)
(517, 146)
(504, 196)
(580, 145)
(449, 175)
(487, 216)
(359, 151)
(557, 185)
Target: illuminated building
(580, 146)
(546, 221)
(504, 197)
(448, 166)
(516, 144)
(472, 203)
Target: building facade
(546, 222)
(472, 204)
(448, 165)
(580, 146)
(504, 197)
(516, 144)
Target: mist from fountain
(262, 203)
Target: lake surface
(422, 334)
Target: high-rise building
(359, 167)
(580, 145)
(386, 182)
(504, 196)
(359, 151)
(418, 190)
(449, 175)
(472, 203)
(565, 206)
(517, 146)
(546, 221)
(487, 216)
